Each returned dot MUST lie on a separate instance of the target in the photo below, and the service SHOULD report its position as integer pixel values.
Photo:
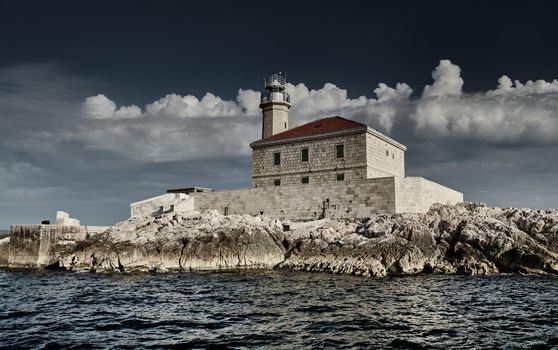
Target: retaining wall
(335, 200)
(306, 202)
(38, 245)
(417, 194)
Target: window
(277, 158)
(277, 182)
(393, 155)
(387, 153)
(304, 154)
(285, 125)
(340, 177)
(305, 179)
(340, 151)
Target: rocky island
(468, 238)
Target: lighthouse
(275, 104)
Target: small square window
(340, 151)
(304, 154)
(277, 158)
(277, 182)
(305, 179)
(340, 177)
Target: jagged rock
(194, 241)
(468, 238)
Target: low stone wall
(4, 251)
(33, 245)
(178, 202)
(335, 200)
(417, 194)
(305, 202)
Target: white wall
(178, 202)
(384, 158)
(417, 194)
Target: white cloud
(386, 93)
(513, 113)
(447, 80)
(179, 127)
(209, 106)
(249, 101)
(309, 104)
(493, 119)
(506, 86)
(101, 107)
(127, 112)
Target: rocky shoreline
(468, 238)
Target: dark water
(274, 309)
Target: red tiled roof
(317, 127)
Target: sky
(105, 103)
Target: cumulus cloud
(191, 107)
(506, 86)
(249, 101)
(101, 107)
(177, 127)
(447, 80)
(512, 113)
(309, 104)
(505, 118)
(386, 93)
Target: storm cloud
(64, 148)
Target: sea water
(275, 309)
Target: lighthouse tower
(275, 104)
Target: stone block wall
(417, 194)
(321, 176)
(336, 200)
(349, 199)
(322, 165)
(384, 158)
(33, 245)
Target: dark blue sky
(102, 102)
(142, 50)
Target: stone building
(328, 149)
(331, 167)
